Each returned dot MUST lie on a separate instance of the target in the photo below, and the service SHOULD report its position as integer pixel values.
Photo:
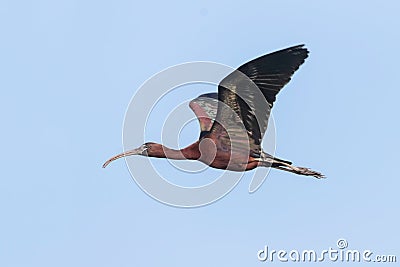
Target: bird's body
(233, 122)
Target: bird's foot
(308, 172)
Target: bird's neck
(190, 152)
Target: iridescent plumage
(234, 121)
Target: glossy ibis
(231, 130)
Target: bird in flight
(234, 120)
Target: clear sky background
(69, 68)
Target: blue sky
(69, 68)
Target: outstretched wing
(205, 108)
(251, 90)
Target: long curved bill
(136, 151)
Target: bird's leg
(271, 162)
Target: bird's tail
(272, 160)
(278, 161)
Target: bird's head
(144, 150)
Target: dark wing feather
(205, 108)
(251, 90)
(273, 71)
